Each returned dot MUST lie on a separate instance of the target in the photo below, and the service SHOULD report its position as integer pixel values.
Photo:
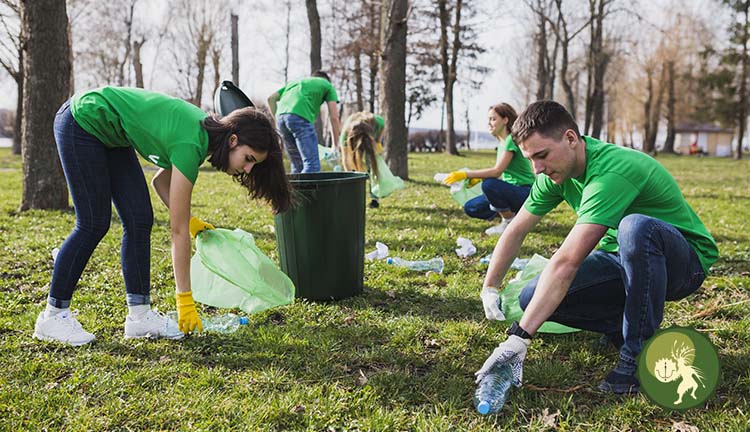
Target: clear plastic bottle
(227, 323)
(435, 264)
(493, 390)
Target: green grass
(416, 338)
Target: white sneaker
(497, 229)
(152, 325)
(63, 327)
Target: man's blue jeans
(97, 177)
(499, 196)
(625, 291)
(301, 143)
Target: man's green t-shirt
(617, 182)
(518, 172)
(165, 130)
(304, 96)
(379, 126)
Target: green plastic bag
(229, 271)
(509, 296)
(386, 183)
(462, 192)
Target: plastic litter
(229, 271)
(226, 323)
(461, 191)
(385, 183)
(517, 264)
(493, 390)
(465, 247)
(436, 264)
(380, 252)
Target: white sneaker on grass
(63, 327)
(497, 229)
(152, 325)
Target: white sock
(51, 311)
(138, 310)
(508, 220)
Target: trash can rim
(335, 177)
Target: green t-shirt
(379, 126)
(518, 172)
(165, 130)
(619, 181)
(303, 97)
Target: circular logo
(678, 368)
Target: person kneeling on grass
(98, 134)
(507, 184)
(652, 245)
(360, 143)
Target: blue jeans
(625, 292)
(97, 177)
(499, 196)
(301, 143)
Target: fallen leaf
(549, 420)
(361, 379)
(391, 294)
(349, 320)
(164, 359)
(683, 427)
(298, 409)
(431, 343)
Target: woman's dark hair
(267, 180)
(507, 111)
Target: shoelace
(70, 319)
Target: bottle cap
(243, 321)
(389, 260)
(483, 407)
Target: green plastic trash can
(321, 240)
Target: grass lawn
(400, 357)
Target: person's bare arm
(333, 114)
(559, 274)
(494, 172)
(180, 192)
(161, 184)
(507, 247)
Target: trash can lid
(229, 97)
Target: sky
(261, 60)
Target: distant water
(6, 142)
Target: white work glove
(511, 352)
(491, 302)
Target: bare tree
(11, 59)
(46, 87)
(599, 58)
(236, 48)
(393, 85)
(137, 65)
(313, 18)
(448, 63)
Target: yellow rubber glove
(455, 176)
(187, 317)
(474, 181)
(197, 225)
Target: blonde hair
(359, 147)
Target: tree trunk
(316, 63)
(393, 86)
(216, 61)
(137, 65)
(541, 64)
(200, 61)
(671, 100)
(743, 83)
(376, 35)
(359, 87)
(236, 49)
(46, 87)
(448, 63)
(128, 45)
(20, 76)
(647, 111)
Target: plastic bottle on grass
(227, 323)
(435, 264)
(493, 390)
